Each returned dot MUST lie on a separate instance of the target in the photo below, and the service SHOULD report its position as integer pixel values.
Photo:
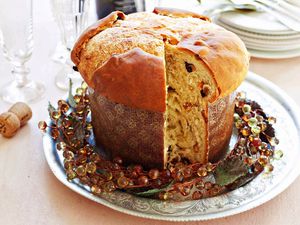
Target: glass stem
(20, 72)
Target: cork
(9, 124)
(22, 111)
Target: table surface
(30, 193)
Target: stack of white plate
(263, 35)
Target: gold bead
(255, 130)
(245, 131)
(202, 172)
(239, 124)
(269, 168)
(89, 126)
(208, 185)
(66, 123)
(81, 159)
(68, 165)
(122, 182)
(61, 146)
(84, 85)
(263, 126)
(163, 195)
(199, 185)
(68, 155)
(209, 167)
(55, 133)
(79, 91)
(96, 189)
(185, 191)
(91, 167)
(272, 120)
(143, 180)
(108, 175)
(70, 174)
(55, 115)
(273, 141)
(95, 157)
(153, 174)
(241, 95)
(42, 126)
(63, 106)
(236, 117)
(109, 186)
(81, 171)
(77, 98)
(252, 122)
(246, 108)
(263, 160)
(70, 131)
(278, 154)
(246, 116)
(249, 161)
(196, 195)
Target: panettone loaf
(162, 85)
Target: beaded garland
(253, 153)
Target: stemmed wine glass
(16, 42)
(71, 17)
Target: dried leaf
(229, 170)
(71, 99)
(51, 109)
(243, 180)
(270, 131)
(154, 191)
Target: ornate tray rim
(258, 81)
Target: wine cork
(9, 124)
(22, 111)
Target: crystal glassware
(71, 17)
(16, 42)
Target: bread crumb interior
(189, 88)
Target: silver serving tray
(263, 188)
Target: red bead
(143, 180)
(256, 142)
(138, 169)
(118, 160)
(153, 174)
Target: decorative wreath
(72, 131)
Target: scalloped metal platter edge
(260, 190)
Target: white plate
(250, 34)
(260, 190)
(258, 22)
(261, 47)
(265, 54)
(295, 2)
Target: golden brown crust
(119, 80)
(172, 12)
(222, 51)
(91, 31)
(224, 54)
(100, 49)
